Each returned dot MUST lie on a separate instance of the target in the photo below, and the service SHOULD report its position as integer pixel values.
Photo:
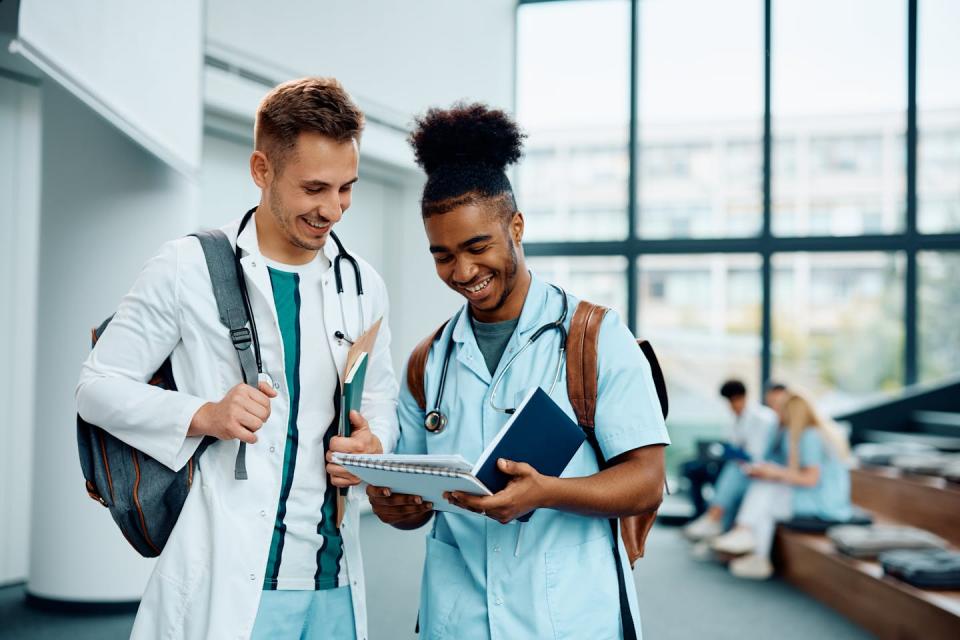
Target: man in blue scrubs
(482, 578)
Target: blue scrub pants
(729, 490)
(303, 615)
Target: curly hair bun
(466, 134)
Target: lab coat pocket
(444, 579)
(582, 591)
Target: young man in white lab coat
(261, 557)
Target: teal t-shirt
(492, 339)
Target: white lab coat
(208, 580)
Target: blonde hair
(799, 413)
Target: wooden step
(858, 589)
(921, 501)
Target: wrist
(550, 492)
(198, 421)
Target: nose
(464, 270)
(333, 210)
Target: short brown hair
(320, 105)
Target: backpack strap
(417, 366)
(582, 381)
(225, 278)
(582, 371)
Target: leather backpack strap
(417, 366)
(582, 370)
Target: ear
(516, 228)
(260, 169)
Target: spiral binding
(402, 467)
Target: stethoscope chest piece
(435, 422)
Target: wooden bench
(858, 589)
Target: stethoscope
(263, 376)
(435, 421)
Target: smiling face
(481, 258)
(304, 197)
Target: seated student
(487, 575)
(806, 475)
(774, 395)
(753, 425)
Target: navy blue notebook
(539, 433)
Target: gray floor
(680, 599)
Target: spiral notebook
(537, 420)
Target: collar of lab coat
(250, 243)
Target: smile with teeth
(480, 286)
(315, 225)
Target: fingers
(340, 477)
(395, 507)
(361, 442)
(477, 504)
(384, 496)
(267, 390)
(357, 421)
(515, 468)
(242, 434)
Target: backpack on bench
(144, 496)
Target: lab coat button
(276, 385)
(272, 449)
(263, 514)
(252, 577)
(498, 602)
(496, 548)
(253, 264)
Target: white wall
(20, 222)
(394, 57)
(107, 205)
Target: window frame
(910, 241)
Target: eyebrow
(321, 183)
(463, 245)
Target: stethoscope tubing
(341, 254)
(435, 420)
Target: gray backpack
(144, 496)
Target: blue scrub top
(829, 499)
(560, 582)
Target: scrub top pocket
(444, 573)
(582, 591)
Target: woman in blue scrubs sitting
(806, 475)
(486, 575)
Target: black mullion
(766, 236)
(910, 277)
(632, 257)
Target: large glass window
(939, 302)
(838, 105)
(769, 242)
(838, 324)
(573, 61)
(601, 280)
(702, 315)
(938, 102)
(699, 157)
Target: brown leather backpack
(582, 380)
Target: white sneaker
(736, 542)
(703, 528)
(701, 551)
(752, 567)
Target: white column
(20, 222)
(107, 206)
